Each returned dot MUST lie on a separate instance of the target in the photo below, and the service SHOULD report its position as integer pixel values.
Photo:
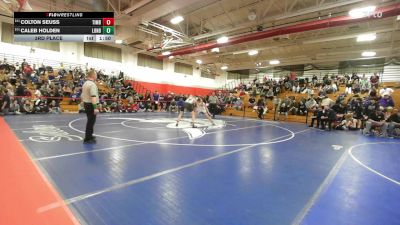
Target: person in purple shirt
(386, 101)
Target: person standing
(212, 104)
(189, 106)
(260, 108)
(90, 98)
(5, 106)
(202, 108)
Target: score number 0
(108, 25)
(108, 21)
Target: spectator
(252, 102)
(386, 102)
(365, 85)
(317, 114)
(54, 108)
(393, 123)
(6, 102)
(325, 101)
(310, 103)
(66, 90)
(385, 91)
(155, 102)
(286, 106)
(301, 109)
(261, 108)
(374, 79)
(349, 123)
(238, 104)
(376, 119)
(328, 117)
(355, 106)
(340, 110)
(28, 107)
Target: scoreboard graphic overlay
(64, 26)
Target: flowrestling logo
(50, 133)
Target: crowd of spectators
(49, 87)
(362, 105)
(368, 108)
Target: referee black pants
(212, 107)
(91, 120)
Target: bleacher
(66, 106)
(274, 115)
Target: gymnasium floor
(145, 171)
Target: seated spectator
(365, 85)
(41, 106)
(376, 119)
(238, 104)
(328, 116)
(349, 85)
(6, 102)
(386, 102)
(317, 114)
(340, 110)
(356, 88)
(334, 87)
(270, 94)
(308, 90)
(133, 107)
(296, 88)
(38, 93)
(355, 106)
(301, 109)
(75, 97)
(348, 123)
(28, 107)
(27, 70)
(54, 108)
(66, 90)
(286, 106)
(385, 91)
(15, 108)
(252, 102)
(173, 106)
(325, 101)
(310, 103)
(393, 123)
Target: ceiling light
(224, 67)
(118, 41)
(253, 52)
(366, 37)
(274, 62)
(171, 57)
(176, 19)
(166, 53)
(222, 40)
(368, 54)
(362, 12)
(215, 50)
(199, 61)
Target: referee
(90, 98)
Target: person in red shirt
(28, 70)
(133, 107)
